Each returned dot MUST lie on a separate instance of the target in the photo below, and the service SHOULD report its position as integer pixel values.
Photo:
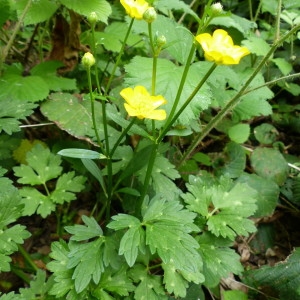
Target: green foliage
(11, 112)
(39, 11)
(235, 160)
(265, 133)
(102, 8)
(5, 11)
(39, 288)
(78, 122)
(239, 133)
(164, 230)
(274, 168)
(165, 6)
(224, 206)
(218, 259)
(235, 294)
(149, 287)
(283, 277)
(43, 166)
(10, 235)
(170, 75)
(268, 192)
(148, 209)
(35, 87)
(87, 263)
(163, 175)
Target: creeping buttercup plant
(158, 219)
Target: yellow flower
(220, 48)
(142, 105)
(135, 8)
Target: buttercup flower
(142, 105)
(220, 48)
(135, 8)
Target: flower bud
(92, 18)
(150, 15)
(88, 60)
(160, 41)
(217, 8)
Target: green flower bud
(88, 60)
(217, 8)
(160, 41)
(92, 18)
(150, 15)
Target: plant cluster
(157, 157)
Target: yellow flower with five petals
(140, 104)
(219, 48)
(135, 8)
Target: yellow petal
(132, 112)
(157, 101)
(158, 114)
(204, 40)
(127, 94)
(140, 104)
(135, 8)
(221, 37)
(220, 49)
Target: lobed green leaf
(35, 201)
(90, 230)
(231, 207)
(66, 186)
(42, 166)
(11, 112)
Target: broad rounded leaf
(268, 192)
(239, 133)
(257, 46)
(101, 7)
(39, 11)
(266, 133)
(30, 88)
(269, 163)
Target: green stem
(181, 84)
(93, 107)
(277, 23)
(201, 28)
(148, 173)
(187, 102)
(231, 104)
(121, 137)
(104, 116)
(105, 130)
(13, 36)
(27, 257)
(155, 53)
(118, 58)
(20, 274)
(250, 9)
(287, 77)
(151, 38)
(257, 11)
